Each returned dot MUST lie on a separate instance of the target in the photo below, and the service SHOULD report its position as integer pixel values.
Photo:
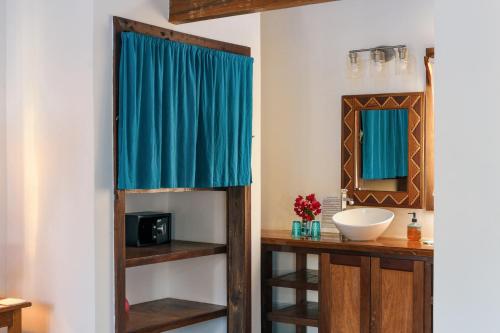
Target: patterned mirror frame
(352, 105)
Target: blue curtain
(185, 115)
(384, 143)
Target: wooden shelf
(175, 190)
(170, 313)
(306, 279)
(303, 315)
(175, 250)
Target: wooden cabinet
(384, 286)
(397, 296)
(374, 294)
(345, 293)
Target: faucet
(345, 199)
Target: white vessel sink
(363, 224)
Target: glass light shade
(355, 65)
(405, 62)
(377, 65)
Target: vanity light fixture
(379, 56)
(355, 65)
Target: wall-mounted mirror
(382, 149)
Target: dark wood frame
(352, 105)
(238, 198)
(182, 11)
(429, 131)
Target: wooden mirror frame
(352, 105)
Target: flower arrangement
(307, 208)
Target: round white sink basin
(363, 224)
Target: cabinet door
(344, 294)
(397, 296)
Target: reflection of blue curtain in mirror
(384, 143)
(185, 115)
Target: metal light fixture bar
(381, 48)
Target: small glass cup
(306, 228)
(296, 229)
(316, 230)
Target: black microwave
(148, 228)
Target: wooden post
(120, 316)
(266, 291)
(239, 282)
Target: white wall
(3, 197)
(304, 53)
(50, 165)
(198, 279)
(467, 270)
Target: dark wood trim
(175, 250)
(418, 296)
(325, 296)
(182, 11)
(170, 313)
(120, 257)
(365, 302)
(428, 292)
(300, 294)
(376, 304)
(176, 190)
(239, 279)
(346, 260)
(352, 105)
(122, 24)
(300, 315)
(429, 130)
(397, 264)
(306, 279)
(266, 292)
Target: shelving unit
(167, 314)
(302, 313)
(306, 314)
(307, 279)
(170, 313)
(175, 250)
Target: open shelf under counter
(175, 250)
(306, 279)
(170, 313)
(306, 314)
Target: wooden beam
(239, 278)
(183, 11)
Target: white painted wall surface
(467, 269)
(50, 164)
(200, 215)
(3, 192)
(304, 75)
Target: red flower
(307, 209)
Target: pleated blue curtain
(384, 143)
(185, 115)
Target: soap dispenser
(414, 232)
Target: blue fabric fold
(384, 143)
(185, 115)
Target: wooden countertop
(393, 246)
(12, 304)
